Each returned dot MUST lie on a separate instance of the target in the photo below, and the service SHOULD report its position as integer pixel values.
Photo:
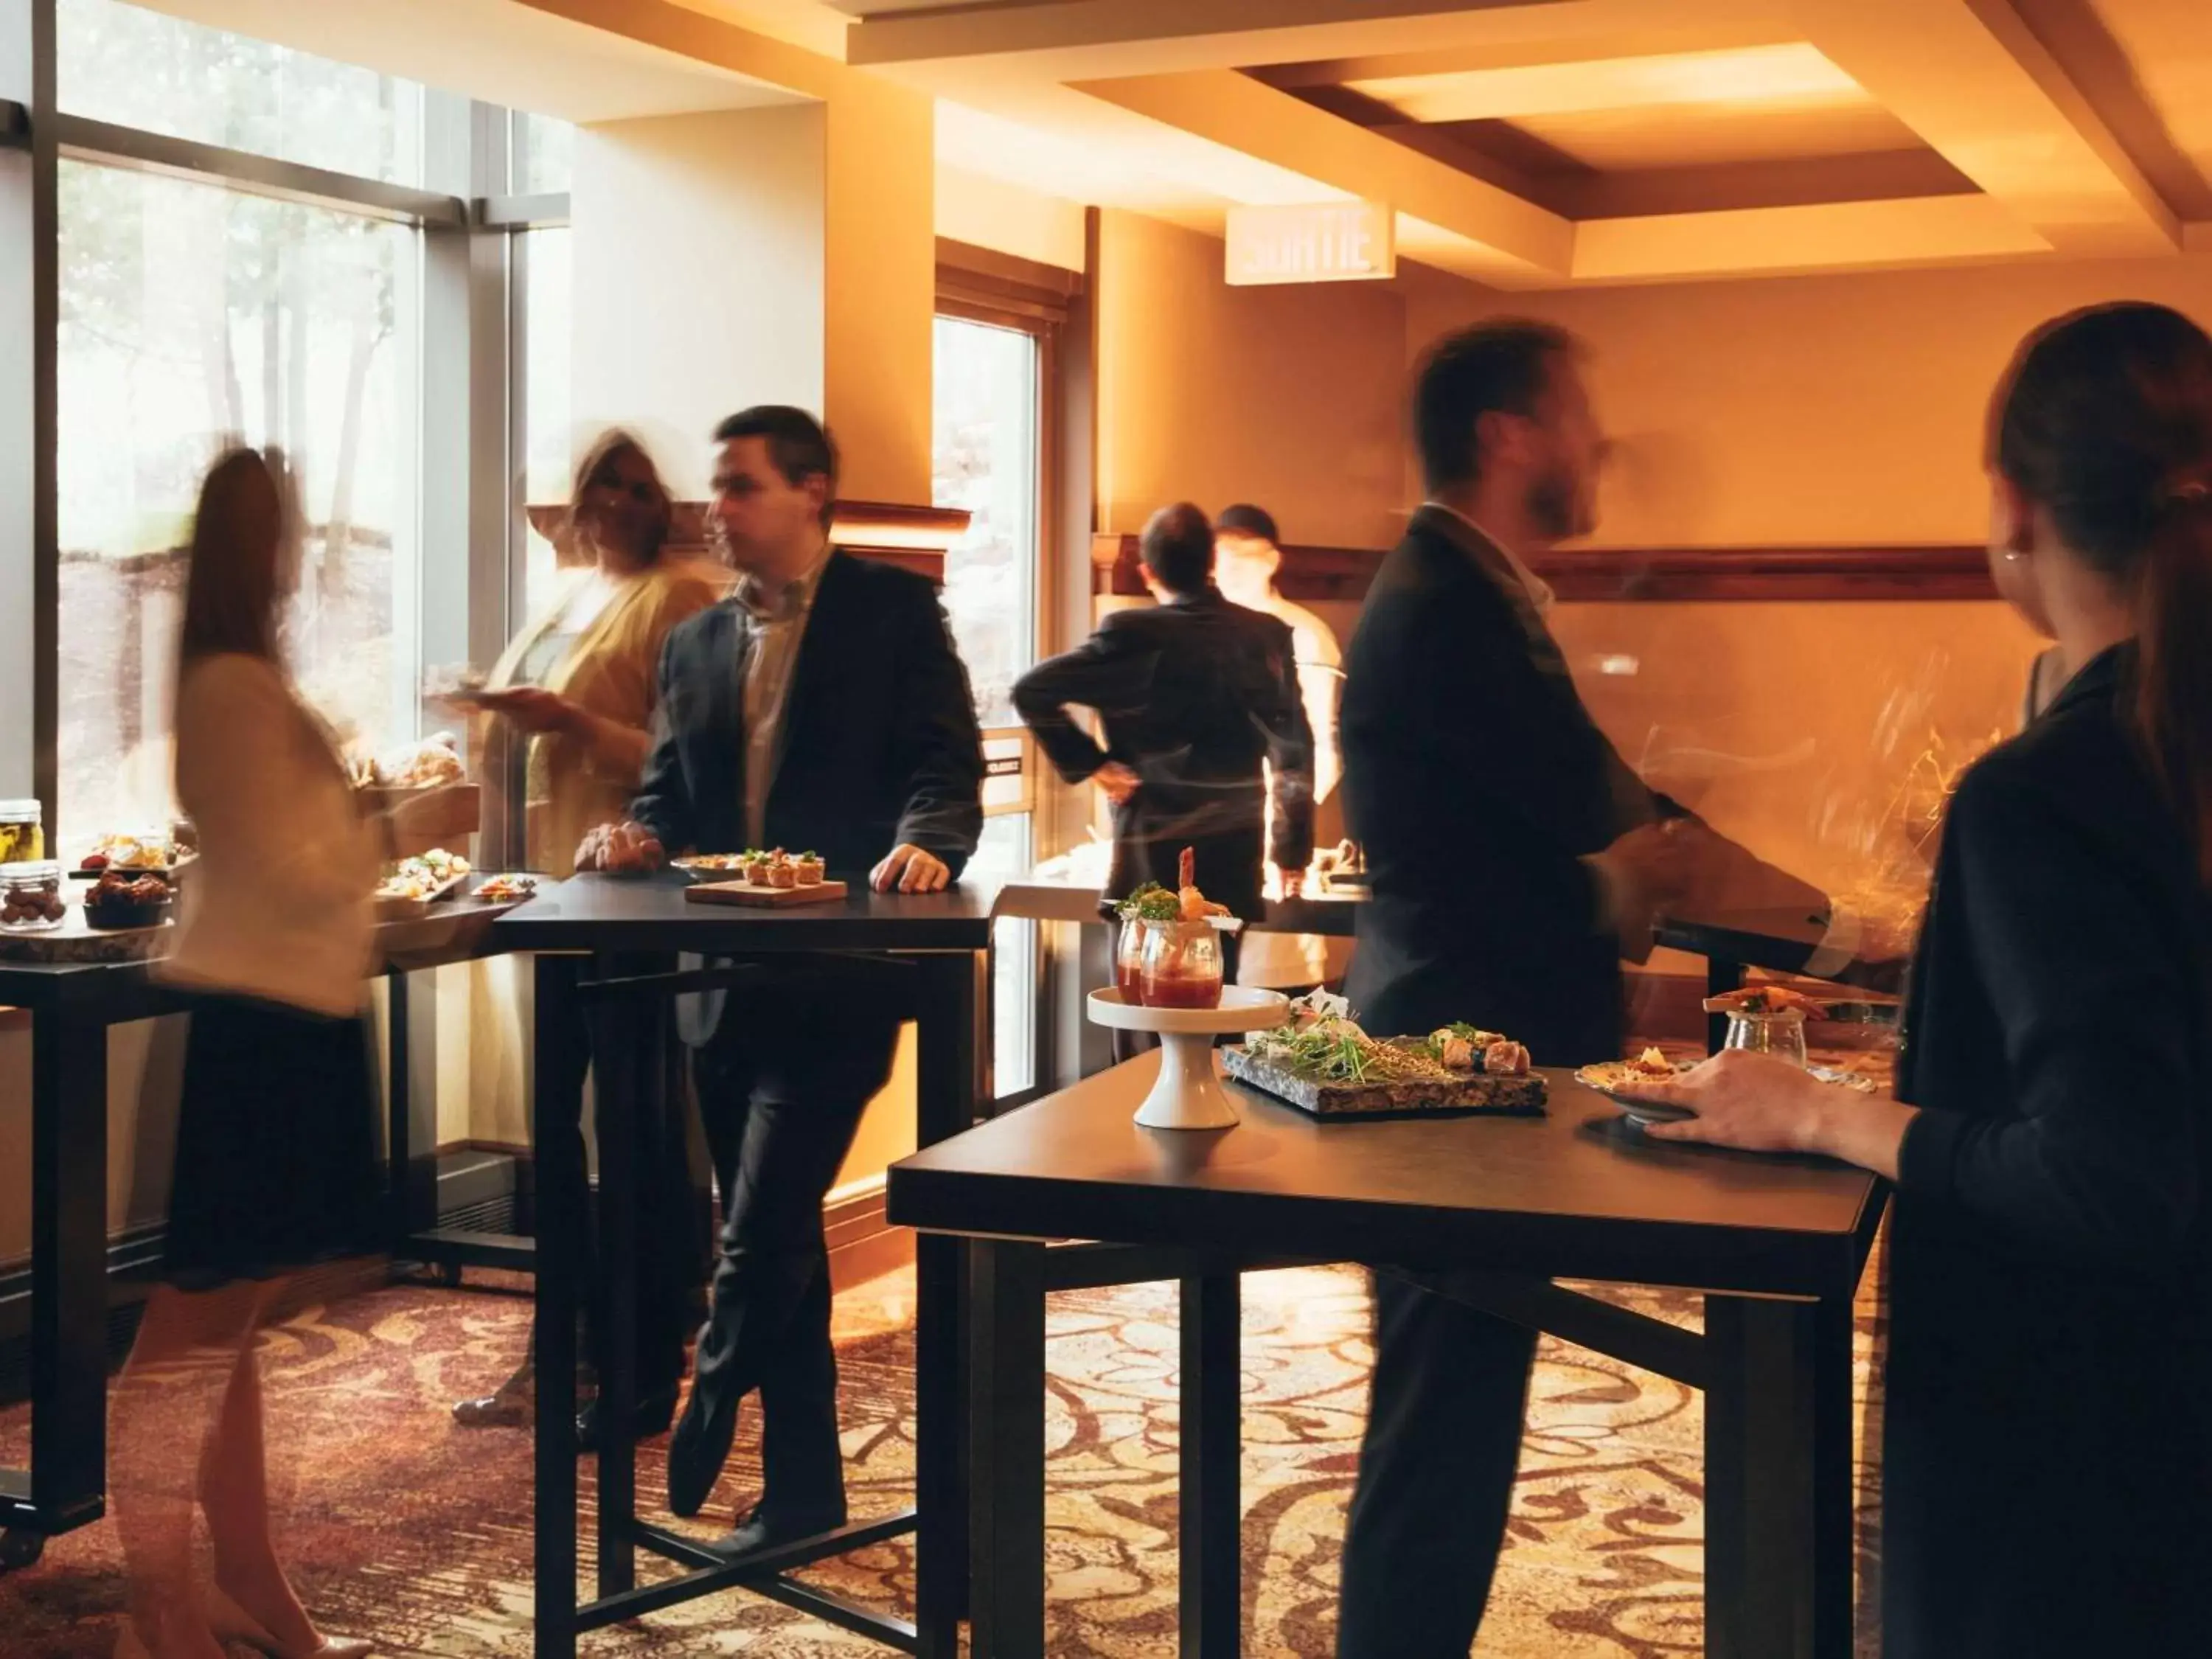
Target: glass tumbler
(1182, 966)
(1781, 1034)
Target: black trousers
(781, 1085)
(1436, 1474)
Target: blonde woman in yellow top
(579, 685)
(579, 681)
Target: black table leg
(1835, 1540)
(411, 1066)
(1722, 976)
(1008, 1310)
(69, 1270)
(561, 1223)
(1213, 1448)
(623, 1093)
(1761, 1536)
(947, 1066)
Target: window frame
(475, 292)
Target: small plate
(1605, 1079)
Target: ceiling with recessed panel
(1568, 141)
(1522, 143)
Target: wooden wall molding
(1616, 574)
(913, 538)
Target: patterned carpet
(405, 1529)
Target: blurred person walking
(275, 1154)
(1515, 857)
(579, 687)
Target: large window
(194, 317)
(542, 268)
(143, 70)
(257, 245)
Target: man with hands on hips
(822, 707)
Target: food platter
(1319, 1060)
(415, 884)
(774, 880)
(1419, 1093)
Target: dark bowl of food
(118, 900)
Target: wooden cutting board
(744, 892)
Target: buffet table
(939, 946)
(1502, 1205)
(71, 1007)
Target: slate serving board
(1476, 1092)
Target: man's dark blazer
(1476, 783)
(1194, 695)
(880, 742)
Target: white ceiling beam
(1977, 86)
(1085, 39)
(1511, 242)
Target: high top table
(1490, 1210)
(939, 944)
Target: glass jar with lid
(31, 896)
(22, 832)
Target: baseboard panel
(863, 1243)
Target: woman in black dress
(2047, 1443)
(276, 1142)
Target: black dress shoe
(700, 1446)
(759, 1531)
(654, 1412)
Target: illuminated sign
(1323, 242)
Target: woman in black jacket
(2047, 1478)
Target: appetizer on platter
(423, 878)
(1321, 1060)
(429, 764)
(503, 889)
(1652, 1066)
(132, 853)
(120, 899)
(1757, 999)
(774, 877)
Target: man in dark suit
(1194, 693)
(822, 707)
(1514, 857)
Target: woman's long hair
(607, 448)
(242, 532)
(2105, 421)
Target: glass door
(987, 456)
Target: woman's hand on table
(1761, 1104)
(908, 869)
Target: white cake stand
(1188, 1094)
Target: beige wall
(881, 287)
(1284, 396)
(699, 274)
(1815, 411)
(1810, 410)
(991, 213)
